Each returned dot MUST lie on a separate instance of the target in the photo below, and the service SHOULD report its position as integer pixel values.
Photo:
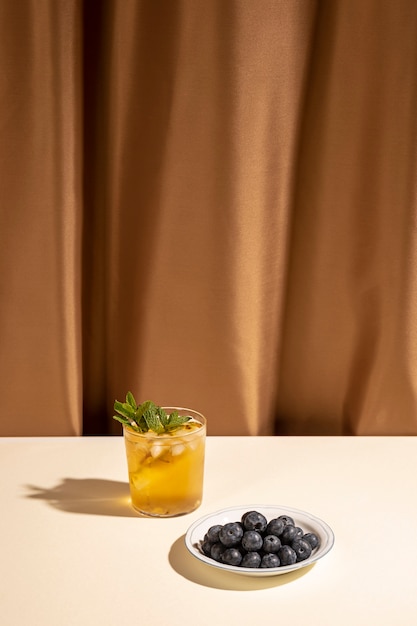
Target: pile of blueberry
(255, 542)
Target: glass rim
(195, 415)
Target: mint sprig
(147, 416)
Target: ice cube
(157, 449)
(177, 449)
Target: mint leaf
(147, 416)
(139, 415)
(175, 420)
(126, 422)
(124, 409)
(162, 416)
(143, 408)
(122, 420)
(131, 400)
(153, 421)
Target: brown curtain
(211, 203)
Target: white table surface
(74, 553)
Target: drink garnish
(148, 416)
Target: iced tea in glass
(166, 471)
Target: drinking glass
(166, 471)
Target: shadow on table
(192, 569)
(92, 496)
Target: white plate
(309, 523)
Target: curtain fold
(212, 204)
(348, 363)
(40, 218)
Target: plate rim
(258, 572)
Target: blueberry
(231, 534)
(231, 556)
(213, 533)
(301, 548)
(271, 544)
(287, 520)
(216, 551)
(312, 539)
(275, 527)
(251, 559)
(252, 520)
(289, 534)
(252, 541)
(300, 532)
(286, 555)
(206, 547)
(270, 560)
